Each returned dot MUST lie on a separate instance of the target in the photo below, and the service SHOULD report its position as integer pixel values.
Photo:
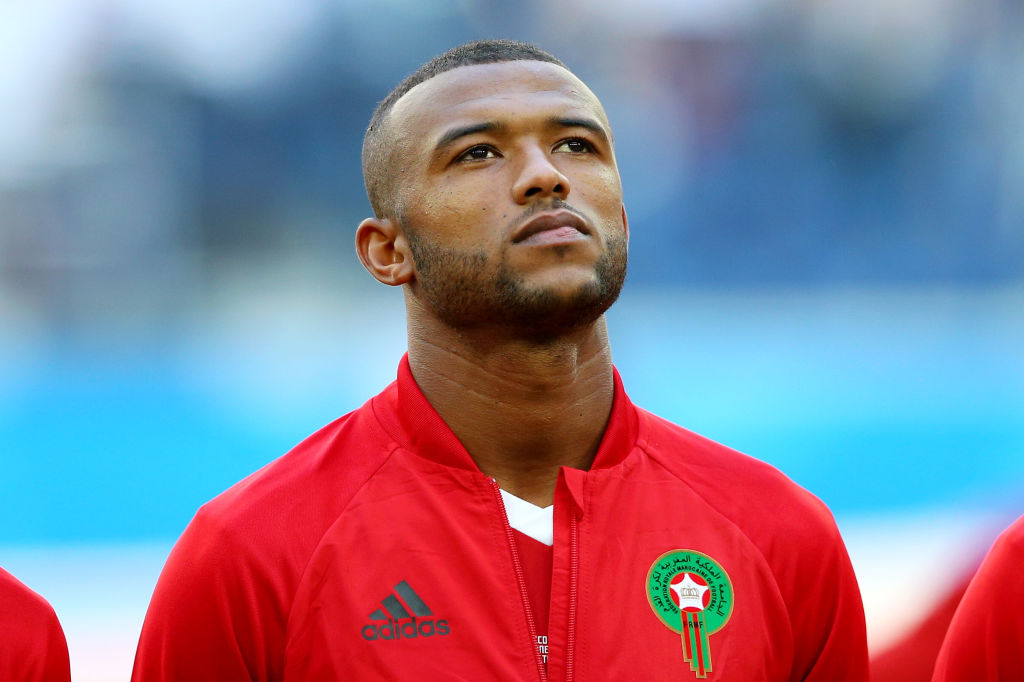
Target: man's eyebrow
(589, 123)
(454, 134)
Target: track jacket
(377, 550)
(32, 644)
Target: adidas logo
(404, 615)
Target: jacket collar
(413, 422)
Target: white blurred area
(827, 260)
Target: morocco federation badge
(691, 594)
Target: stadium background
(826, 261)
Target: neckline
(416, 424)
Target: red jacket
(377, 550)
(32, 644)
(985, 641)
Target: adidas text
(405, 630)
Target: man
(985, 640)
(502, 511)
(32, 644)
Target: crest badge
(691, 594)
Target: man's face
(510, 197)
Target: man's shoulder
(739, 486)
(22, 603)
(1007, 552)
(1013, 537)
(311, 483)
(708, 464)
(32, 644)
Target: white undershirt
(529, 519)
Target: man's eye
(478, 153)
(575, 145)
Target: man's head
(496, 195)
(378, 161)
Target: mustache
(552, 205)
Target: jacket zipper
(570, 646)
(541, 670)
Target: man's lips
(560, 223)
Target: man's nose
(539, 179)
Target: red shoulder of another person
(21, 603)
(32, 644)
(1011, 540)
(985, 635)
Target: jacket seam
(305, 568)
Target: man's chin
(574, 299)
(539, 304)
(556, 311)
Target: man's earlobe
(384, 251)
(625, 222)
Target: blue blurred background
(826, 201)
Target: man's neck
(521, 408)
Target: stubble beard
(460, 289)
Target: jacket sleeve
(985, 640)
(826, 610)
(216, 613)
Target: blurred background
(826, 201)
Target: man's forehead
(492, 86)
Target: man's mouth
(551, 226)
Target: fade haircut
(377, 163)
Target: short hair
(377, 171)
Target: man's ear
(625, 222)
(384, 251)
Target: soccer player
(503, 511)
(32, 644)
(985, 640)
